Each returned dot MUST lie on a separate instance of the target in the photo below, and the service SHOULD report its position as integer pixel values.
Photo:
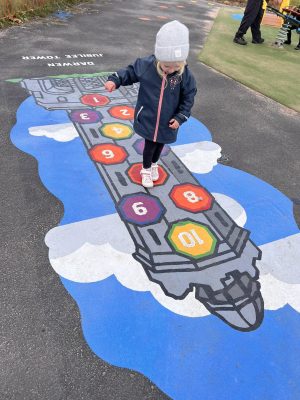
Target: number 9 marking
(108, 153)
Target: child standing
(166, 94)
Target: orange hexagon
(122, 112)
(108, 153)
(94, 100)
(191, 197)
(135, 176)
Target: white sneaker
(154, 172)
(146, 177)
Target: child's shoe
(154, 172)
(146, 177)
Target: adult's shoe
(297, 47)
(287, 42)
(239, 40)
(258, 41)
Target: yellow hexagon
(193, 239)
(116, 131)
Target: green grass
(264, 68)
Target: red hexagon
(191, 197)
(135, 176)
(122, 112)
(108, 153)
(94, 100)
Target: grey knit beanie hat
(172, 42)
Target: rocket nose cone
(247, 318)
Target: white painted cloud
(198, 157)
(90, 251)
(281, 258)
(232, 207)
(58, 132)
(95, 262)
(277, 294)
(92, 263)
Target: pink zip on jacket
(161, 96)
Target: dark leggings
(151, 152)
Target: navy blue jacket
(177, 101)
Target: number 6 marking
(138, 209)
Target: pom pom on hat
(172, 42)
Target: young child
(166, 94)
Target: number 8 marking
(191, 196)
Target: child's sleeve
(127, 76)
(187, 96)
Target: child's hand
(173, 124)
(110, 86)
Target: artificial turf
(271, 71)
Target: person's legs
(148, 153)
(255, 27)
(157, 152)
(250, 13)
(155, 158)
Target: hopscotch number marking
(190, 238)
(139, 209)
(191, 196)
(118, 131)
(124, 112)
(108, 153)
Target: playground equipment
(291, 20)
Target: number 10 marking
(190, 238)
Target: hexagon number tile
(108, 154)
(192, 239)
(122, 112)
(191, 197)
(141, 209)
(135, 176)
(94, 100)
(116, 131)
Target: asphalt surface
(42, 352)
